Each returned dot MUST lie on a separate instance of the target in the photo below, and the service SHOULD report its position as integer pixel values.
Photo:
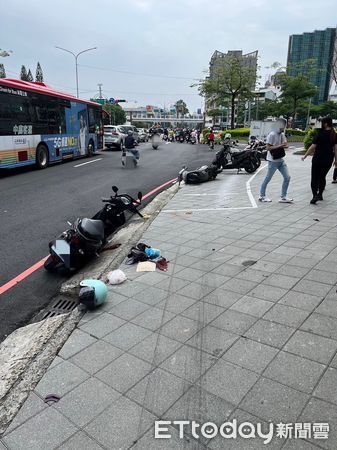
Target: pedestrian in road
(276, 143)
(324, 149)
(130, 144)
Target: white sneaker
(286, 200)
(265, 199)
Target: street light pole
(76, 55)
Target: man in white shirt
(276, 141)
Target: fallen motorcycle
(87, 237)
(204, 173)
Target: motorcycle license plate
(62, 249)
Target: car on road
(114, 136)
(143, 135)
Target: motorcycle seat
(92, 229)
(236, 154)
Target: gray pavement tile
(265, 247)
(303, 262)
(129, 288)
(222, 297)
(295, 371)
(32, 406)
(202, 312)
(227, 269)
(299, 444)
(180, 328)
(327, 308)
(287, 250)
(286, 315)
(96, 356)
(155, 348)
(250, 354)
(129, 309)
(77, 341)
(187, 260)
(256, 276)
(176, 303)
(322, 276)
(312, 346)
(213, 279)
(253, 306)
(322, 325)
(334, 362)
(326, 389)
(190, 274)
(300, 300)
(206, 265)
(269, 293)
(158, 391)
(102, 325)
(80, 441)
(253, 254)
(293, 271)
(119, 426)
(234, 321)
(188, 363)
(240, 260)
(148, 442)
(326, 266)
(114, 298)
(312, 287)
(124, 372)
(212, 340)
(61, 379)
(196, 290)
(173, 284)
(266, 266)
(200, 252)
(86, 401)
(270, 333)
(49, 426)
(127, 336)
(239, 286)
(57, 360)
(232, 250)
(274, 402)
(228, 381)
(276, 257)
(153, 318)
(318, 411)
(282, 281)
(152, 278)
(151, 296)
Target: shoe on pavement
(286, 200)
(265, 199)
(319, 197)
(314, 200)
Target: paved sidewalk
(242, 326)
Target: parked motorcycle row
(86, 237)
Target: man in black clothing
(130, 144)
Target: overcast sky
(149, 51)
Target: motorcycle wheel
(51, 264)
(252, 167)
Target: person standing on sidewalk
(324, 149)
(276, 143)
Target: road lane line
(88, 162)
(5, 287)
(249, 190)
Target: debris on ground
(116, 277)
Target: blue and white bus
(40, 126)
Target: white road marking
(88, 162)
(249, 193)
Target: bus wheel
(90, 149)
(42, 157)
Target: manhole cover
(57, 307)
(249, 263)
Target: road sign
(101, 101)
(111, 100)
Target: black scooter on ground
(227, 159)
(204, 173)
(86, 237)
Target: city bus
(40, 126)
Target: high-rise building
(317, 46)
(249, 60)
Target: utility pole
(100, 90)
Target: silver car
(114, 136)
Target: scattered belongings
(145, 253)
(146, 266)
(93, 293)
(116, 277)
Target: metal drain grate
(58, 307)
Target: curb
(26, 353)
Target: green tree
(2, 71)
(231, 80)
(39, 73)
(30, 76)
(324, 109)
(181, 108)
(116, 113)
(23, 74)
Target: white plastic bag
(116, 277)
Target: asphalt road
(35, 206)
